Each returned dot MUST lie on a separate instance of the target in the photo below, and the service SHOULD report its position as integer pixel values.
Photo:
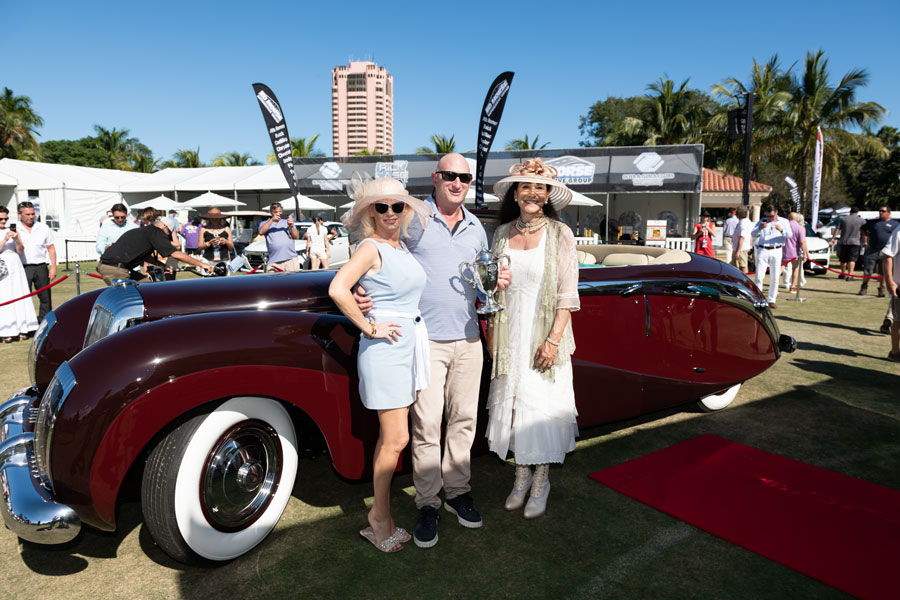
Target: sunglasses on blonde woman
(382, 207)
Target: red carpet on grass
(840, 530)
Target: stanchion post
(67, 256)
(77, 279)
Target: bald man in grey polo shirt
(452, 236)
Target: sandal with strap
(392, 544)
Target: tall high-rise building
(362, 109)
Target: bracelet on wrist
(551, 342)
(371, 334)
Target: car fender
(133, 385)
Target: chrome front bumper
(28, 509)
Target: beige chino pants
(452, 395)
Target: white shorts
(318, 252)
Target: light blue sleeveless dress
(387, 371)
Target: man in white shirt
(38, 255)
(741, 240)
(731, 223)
(891, 269)
(771, 233)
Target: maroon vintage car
(207, 388)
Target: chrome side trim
(115, 309)
(27, 509)
(37, 341)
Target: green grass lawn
(833, 404)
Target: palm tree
(186, 159)
(234, 159)
(525, 144)
(367, 152)
(815, 103)
(143, 163)
(115, 144)
(668, 116)
(441, 145)
(300, 148)
(18, 122)
(770, 86)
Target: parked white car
(819, 252)
(257, 253)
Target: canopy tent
(210, 199)
(71, 200)
(163, 203)
(305, 202)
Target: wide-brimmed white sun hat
(366, 192)
(534, 170)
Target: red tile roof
(717, 181)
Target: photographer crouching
(137, 246)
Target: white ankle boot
(540, 491)
(516, 498)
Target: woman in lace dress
(532, 401)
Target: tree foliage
(300, 148)
(440, 144)
(234, 159)
(83, 153)
(874, 180)
(526, 144)
(185, 159)
(18, 125)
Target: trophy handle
(508, 260)
(463, 265)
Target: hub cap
(241, 475)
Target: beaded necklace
(532, 226)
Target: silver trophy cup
(486, 268)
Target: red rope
(847, 275)
(93, 275)
(782, 264)
(46, 287)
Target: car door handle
(631, 290)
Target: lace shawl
(559, 290)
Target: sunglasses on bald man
(451, 175)
(382, 207)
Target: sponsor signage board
(586, 170)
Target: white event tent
(69, 199)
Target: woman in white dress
(532, 400)
(317, 247)
(18, 319)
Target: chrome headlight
(115, 309)
(51, 403)
(35, 349)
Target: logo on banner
(271, 106)
(399, 169)
(573, 170)
(496, 96)
(330, 171)
(648, 163)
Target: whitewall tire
(216, 485)
(715, 402)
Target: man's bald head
(450, 195)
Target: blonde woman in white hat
(393, 348)
(532, 401)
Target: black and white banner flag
(795, 192)
(487, 128)
(278, 132)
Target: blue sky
(179, 74)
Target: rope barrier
(847, 275)
(93, 275)
(46, 287)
